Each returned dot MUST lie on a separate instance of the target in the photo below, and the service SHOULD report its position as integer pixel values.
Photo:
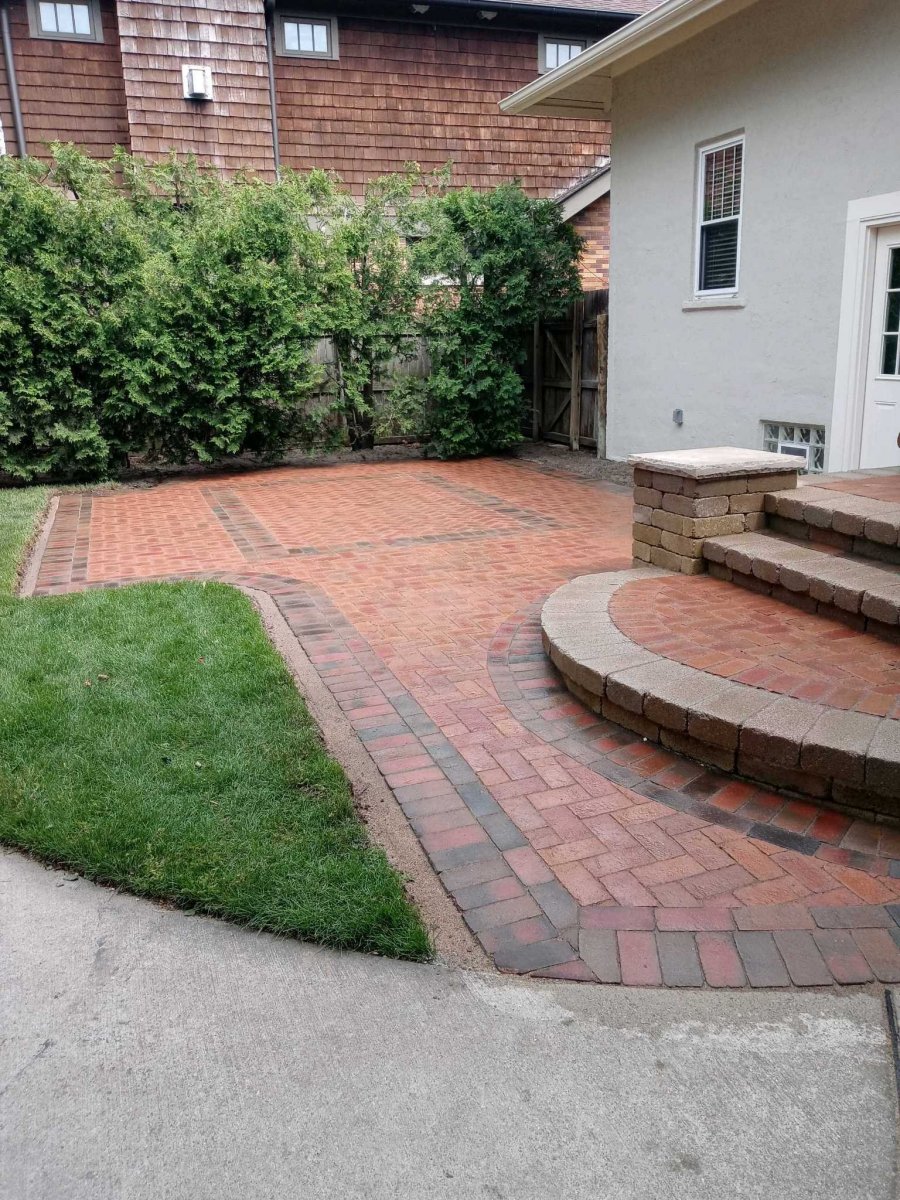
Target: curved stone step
(847, 758)
(866, 594)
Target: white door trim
(864, 218)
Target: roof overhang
(577, 198)
(583, 87)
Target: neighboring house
(755, 282)
(355, 93)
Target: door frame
(865, 218)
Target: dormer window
(557, 51)
(307, 36)
(67, 20)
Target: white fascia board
(583, 86)
(578, 200)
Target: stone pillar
(682, 497)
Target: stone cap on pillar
(716, 462)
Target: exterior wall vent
(197, 82)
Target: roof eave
(583, 87)
(585, 192)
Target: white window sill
(700, 302)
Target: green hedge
(166, 310)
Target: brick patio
(573, 847)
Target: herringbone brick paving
(697, 621)
(572, 847)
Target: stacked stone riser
(674, 514)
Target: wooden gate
(569, 375)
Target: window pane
(290, 35)
(82, 19)
(64, 19)
(718, 256)
(552, 53)
(306, 37)
(889, 357)
(895, 268)
(892, 316)
(722, 183)
(48, 18)
(320, 39)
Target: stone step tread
(840, 512)
(848, 583)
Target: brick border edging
(763, 736)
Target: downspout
(14, 103)
(269, 6)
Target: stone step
(846, 758)
(861, 593)
(853, 524)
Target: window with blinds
(719, 240)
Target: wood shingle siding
(232, 131)
(401, 90)
(70, 91)
(427, 93)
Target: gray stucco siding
(814, 86)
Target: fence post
(575, 401)
(602, 367)
(537, 384)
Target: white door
(881, 410)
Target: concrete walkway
(148, 1053)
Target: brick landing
(573, 848)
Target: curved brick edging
(847, 758)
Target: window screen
(721, 186)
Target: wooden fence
(565, 377)
(568, 375)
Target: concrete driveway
(151, 1054)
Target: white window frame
(37, 30)
(736, 139)
(307, 18)
(553, 38)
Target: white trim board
(577, 199)
(583, 86)
(864, 218)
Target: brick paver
(874, 486)
(762, 642)
(573, 848)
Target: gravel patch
(577, 462)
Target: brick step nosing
(849, 759)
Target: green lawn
(151, 738)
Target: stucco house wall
(814, 86)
